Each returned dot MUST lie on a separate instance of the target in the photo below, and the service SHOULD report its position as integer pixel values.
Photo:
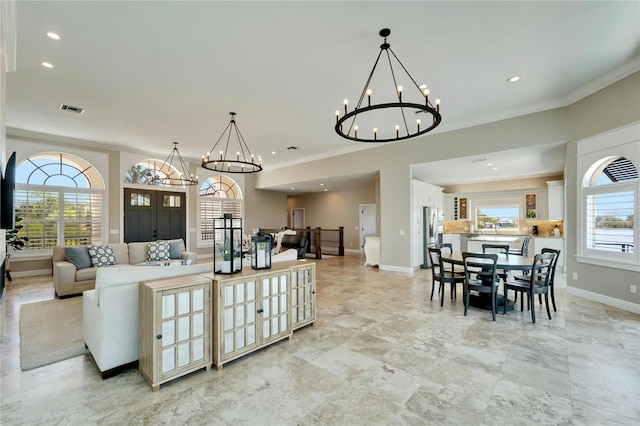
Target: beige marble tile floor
(379, 353)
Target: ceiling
(150, 73)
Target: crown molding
(9, 28)
(608, 79)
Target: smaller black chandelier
(243, 162)
(347, 127)
(184, 177)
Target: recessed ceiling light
(292, 189)
(489, 164)
(513, 79)
(325, 190)
(53, 35)
(322, 184)
(273, 153)
(47, 65)
(494, 168)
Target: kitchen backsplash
(545, 227)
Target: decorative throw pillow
(79, 256)
(175, 249)
(101, 255)
(158, 250)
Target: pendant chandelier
(184, 177)
(231, 155)
(404, 119)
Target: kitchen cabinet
(556, 243)
(174, 325)
(556, 199)
(454, 240)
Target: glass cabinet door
(240, 326)
(275, 305)
(183, 328)
(302, 296)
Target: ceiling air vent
(70, 108)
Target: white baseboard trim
(606, 300)
(32, 273)
(392, 268)
(353, 251)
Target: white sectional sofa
(69, 280)
(110, 311)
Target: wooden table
(505, 262)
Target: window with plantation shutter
(609, 204)
(59, 198)
(218, 195)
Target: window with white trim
(608, 198)
(60, 200)
(218, 195)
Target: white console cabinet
(174, 324)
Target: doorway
(154, 215)
(368, 227)
(297, 218)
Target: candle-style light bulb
(337, 115)
(369, 92)
(375, 133)
(355, 130)
(346, 102)
(400, 93)
(426, 96)
(418, 121)
(238, 156)
(397, 131)
(438, 105)
(221, 155)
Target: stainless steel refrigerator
(431, 232)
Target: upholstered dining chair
(440, 274)
(537, 283)
(480, 276)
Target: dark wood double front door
(154, 215)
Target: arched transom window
(151, 172)
(218, 195)
(60, 199)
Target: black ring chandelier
(184, 177)
(347, 127)
(243, 162)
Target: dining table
(505, 262)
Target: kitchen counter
(495, 238)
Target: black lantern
(227, 247)
(261, 251)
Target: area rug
(50, 331)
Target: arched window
(608, 187)
(151, 172)
(218, 195)
(610, 201)
(60, 200)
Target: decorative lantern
(261, 251)
(227, 247)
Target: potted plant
(13, 241)
(225, 251)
